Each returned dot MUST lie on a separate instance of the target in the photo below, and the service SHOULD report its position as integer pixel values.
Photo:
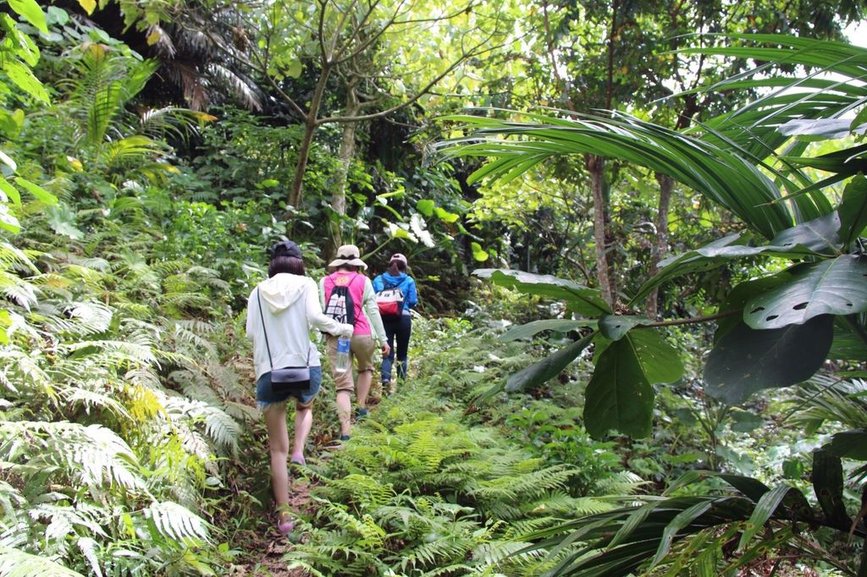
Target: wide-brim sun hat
(347, 254)
(398, 257)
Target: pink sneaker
(285, 524)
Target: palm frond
(825, 398)
(726, 178)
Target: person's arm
(411, 294)
(322, 293)
(372, 311)
(318, 320)
(249, 325)
(378, 284)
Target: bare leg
(303, 422)
(344, 411)
(278, 446)
(362, 387)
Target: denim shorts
(265, 396)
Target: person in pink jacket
(369, 332)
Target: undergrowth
(426, 488)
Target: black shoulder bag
(295, 380)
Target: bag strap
(262, 316)
(264, 332)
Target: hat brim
(351, 262)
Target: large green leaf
(853, 210)
(620, 395)
(30, 11)
(834, 286)
(745, 360)
(580, 299)
(717, 254)
(547, 368)
(849, 161)
(615, 327)
(765, 507)
(818, 128)
(533, 328)
(820, 235)
(827, 478)
(849, 445)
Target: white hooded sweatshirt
(290, 309)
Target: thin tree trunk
(310, 126)
(595, 165)
(660, 247)
(346, 154)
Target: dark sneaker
(361, 413)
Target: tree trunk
(346, 154)
(595, 166)
(310, 126)
(660, 247)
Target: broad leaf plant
(776, 330)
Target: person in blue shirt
(398, 328)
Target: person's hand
(346, 331)
(385, 349)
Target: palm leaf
(726, 178)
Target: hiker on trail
(280, 313)
(355, 290)
(396, 294)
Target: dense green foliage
(586, 404)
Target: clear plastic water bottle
(342, 363)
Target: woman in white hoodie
(283, 309)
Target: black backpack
(340, 305)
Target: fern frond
(89, 549)
(209, 277)
(620, 483)
(21, 372)
(64, 520)
(370, 535)
(447, 549)
(79, 318)
(177, 522)
(18, 291)
(521, 486)
(518, 530)
(92, 455)
(189, 333)
(365, 490)
(74, 397)
(115, 353)
(220, 427)
(456, 569)
(14, 258)
(131, 149)
(194, 385)
(17, 563)
(496, 552)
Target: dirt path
(265, 549)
